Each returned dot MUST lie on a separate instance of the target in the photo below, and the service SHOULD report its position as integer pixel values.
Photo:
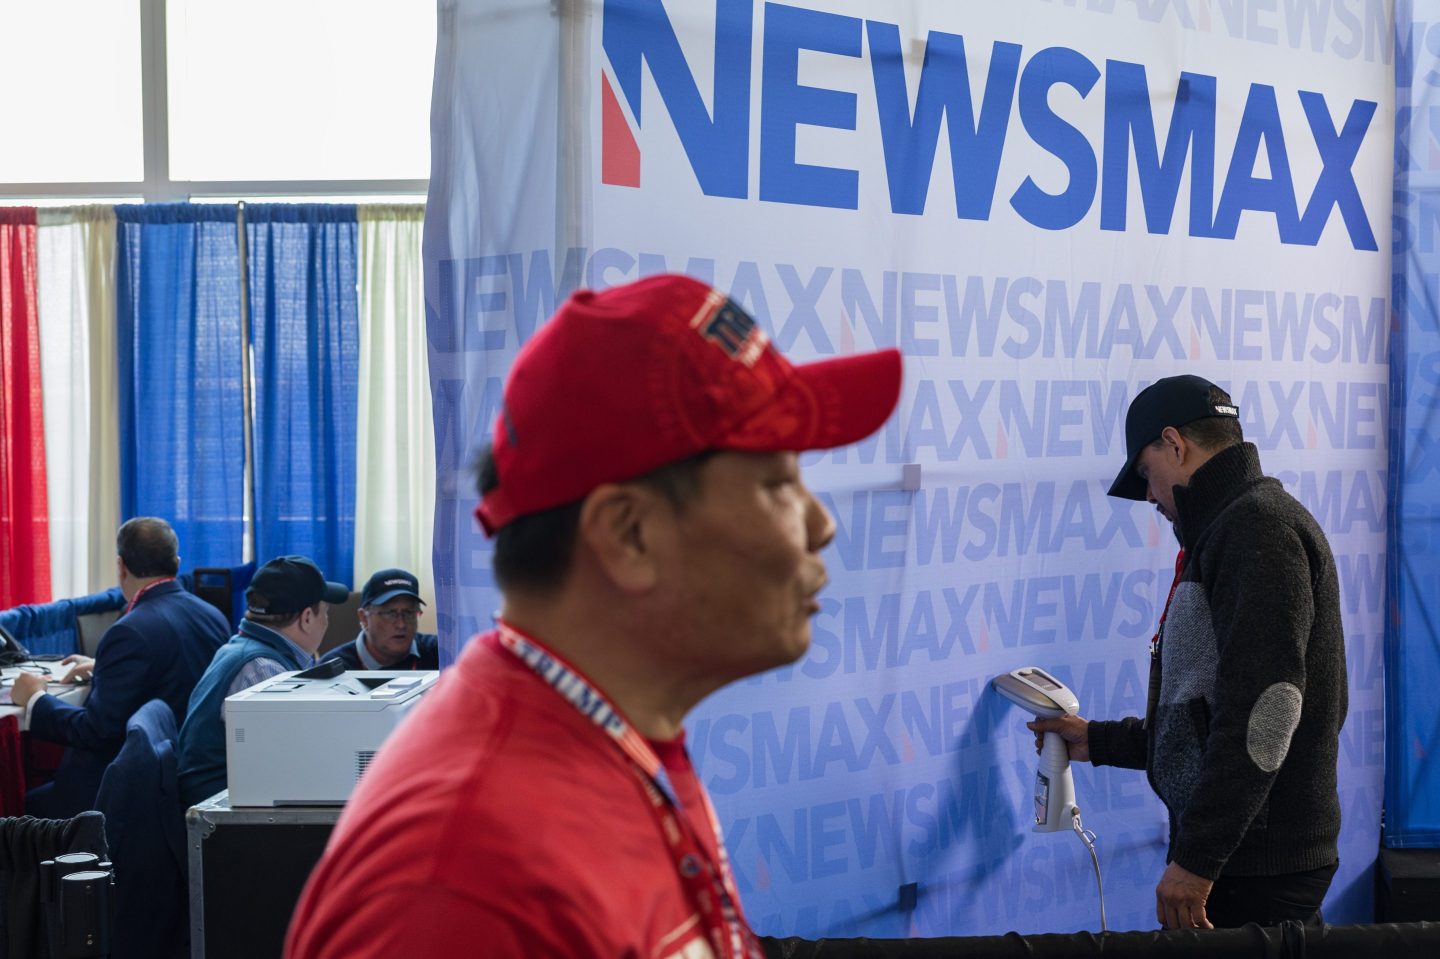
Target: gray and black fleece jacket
(1247, 684)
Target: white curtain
(76, 266)
(395, 449)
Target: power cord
(1088, 838)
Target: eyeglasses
(397, 615)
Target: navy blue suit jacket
(158, 650)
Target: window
(286, 90)
(273, 97)
(71, 111)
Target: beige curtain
(395, 449)
(76, 266)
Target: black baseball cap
(1172, 401)
(288, 584)
(387, 584)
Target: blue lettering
(638, 34)
(1362, 582)
(718, 148)
(725, 750)
(1048, 68)
(909, 141)
(1336, 186)
(1259, 127)
(804, 315)
(1128, 119)
(785, 105)
(824, 838)
(781, 759)
(876, 827)
(775, 847)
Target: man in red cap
(653, 541)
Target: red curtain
(12, 768)
(24, 510)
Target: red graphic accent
(619, 153)
(1002, 441)
(762, 874)
(1194, 344)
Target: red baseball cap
(623, 381)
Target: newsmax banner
(1046, 206)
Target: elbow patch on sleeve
(1272, 722)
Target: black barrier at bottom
(1290, 940)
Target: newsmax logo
(638, 34)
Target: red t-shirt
(498, 821)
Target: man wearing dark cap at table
(1247, 673)
(389, 622)
(654, 541)
(287, 609)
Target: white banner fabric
(1046, 206)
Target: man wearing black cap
(389, 623)
(287, 609)
(1247, 673)
(654, 542)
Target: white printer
(304, 738)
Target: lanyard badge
(709, 885)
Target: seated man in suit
(158, 649)
(389, 622)
(287, 610)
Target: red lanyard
(145, 589)
(709, 886)
(1155, 640)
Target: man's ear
(1176, 446)
(622, 526)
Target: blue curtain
(1412, 635)
(305, 328)
(181, 417)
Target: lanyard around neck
(709, 885)
(145, 589)
(1174, 584)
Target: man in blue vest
(287, 610)
(157, 649)
(389, 623)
